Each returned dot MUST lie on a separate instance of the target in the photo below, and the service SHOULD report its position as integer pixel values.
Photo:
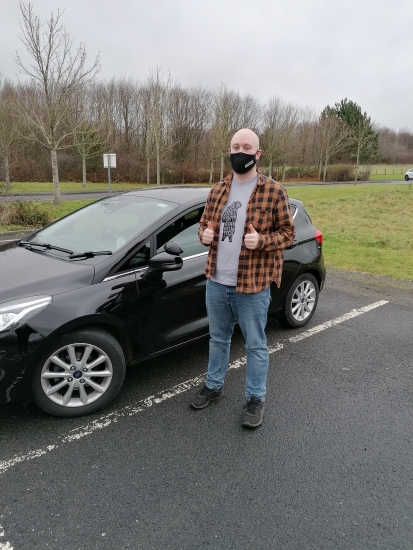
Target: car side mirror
(164, 261)
(172, 248)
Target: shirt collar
(260, 180)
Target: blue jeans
(225, 307)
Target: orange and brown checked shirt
(269, 211)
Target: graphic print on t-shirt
(229, 217)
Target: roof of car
(180, 194)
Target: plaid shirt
(268, 210)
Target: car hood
(26, 273)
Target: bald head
(245, 138)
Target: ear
(258, 154)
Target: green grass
(47, 187)
(366, 228)
(57, 212)
(68, 186)
(66, 207)
(388, 168)
(387, 177)
(388, 171)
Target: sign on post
(109, 161)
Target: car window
(107, 224)
(306, 216)
(183, 231)
(139, 259)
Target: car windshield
(105, 225)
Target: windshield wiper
(30, 244)
(90, 254)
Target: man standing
(247, 223)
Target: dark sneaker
(204, 396)
(252, 413)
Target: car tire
(79, 374)
(406, 177)
(300, 302)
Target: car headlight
(15, 313)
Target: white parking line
(337, 321)
(4, 545)
(130, 410)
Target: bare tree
(90, 132)
(227, 107)
(157, 99)
(333, 136)
(304, 139)
(56, 74)
(146, 129)
(249, 114)
(188, 118)
(202, 116)
(127, 112)
(271, 134)
(182, 127)
(280, 121)
(9, 129)
(289, 122)
(363, 137)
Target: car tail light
(318, 236)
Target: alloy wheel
(303, 300)
(76, 375)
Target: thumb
(210, 226)
(252, 230)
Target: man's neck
(248, 176)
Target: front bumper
(17, 350)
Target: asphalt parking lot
(330, 468)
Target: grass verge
(366, 228)
(65, 187)
(55, 212)
(386, 177)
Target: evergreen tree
(363, 142)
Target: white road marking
(337, 321)
(4, 545)
(130, 410)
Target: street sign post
(109, 161)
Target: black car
(116, 282)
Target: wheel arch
(106, 323)
(285, 315)
(316, 274)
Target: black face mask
(241, 162)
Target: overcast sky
(310, 52)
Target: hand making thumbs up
(208, 234)
(251, 238)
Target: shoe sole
(246, 425)
(206, 404)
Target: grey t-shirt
(231, 232)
